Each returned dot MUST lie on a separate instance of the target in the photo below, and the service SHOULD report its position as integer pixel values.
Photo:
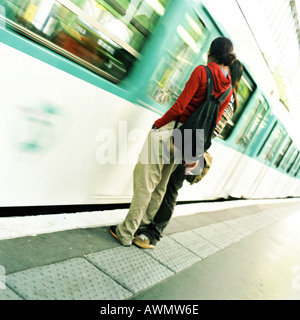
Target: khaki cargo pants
(150, 178)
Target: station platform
(236, 250)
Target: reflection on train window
(106, 36)
(297, 169)
(292, 163)
(288, 159)
(245, 91)
(255, 124)
(283, 151)
(272, 145)
(179, 61)
(293, 170)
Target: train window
(288, 159)
(283, 151)
(272, 145)
(295, 167)
(105, 36)
(245, 91)
(255, 124)
(287, 165)
(293, 160)
(297, 170)
(178, 62)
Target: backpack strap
(223, 96)
(210, 87)
(176, 123)
(210, 84)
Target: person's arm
(183, 100)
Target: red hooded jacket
(194, 94)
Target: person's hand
(153, 128)
(190, 166)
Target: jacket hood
(221, 82)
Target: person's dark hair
(221, 51)
(236, 72)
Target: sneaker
(143, 241)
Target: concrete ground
(242, 253)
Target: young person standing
(151, 174)
(149, 234)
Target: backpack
(194, 137)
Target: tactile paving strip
(130, 266)
(74, 279)
(230, 233)
(245, 225)
(264, 219)
(7, 294)
(215, 237)
(195, 243)
(173, 255)
(242, 225)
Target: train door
(290, 171)
(281, 188)
(176, 49)
(295, 175)
(267, 177)
(248, 140)
(228, 138)
(246, 169)
(278, 160)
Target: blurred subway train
(82, 82)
